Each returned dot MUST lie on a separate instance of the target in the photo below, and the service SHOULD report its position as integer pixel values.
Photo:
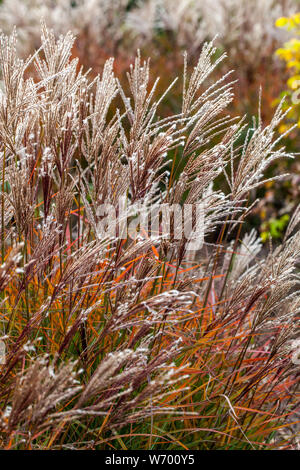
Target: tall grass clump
(137, 342)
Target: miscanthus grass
(138, 343)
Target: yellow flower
(294, 82)
(281, 22)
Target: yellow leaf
(281, 22)
(294, 82)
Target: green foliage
(274, 228)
